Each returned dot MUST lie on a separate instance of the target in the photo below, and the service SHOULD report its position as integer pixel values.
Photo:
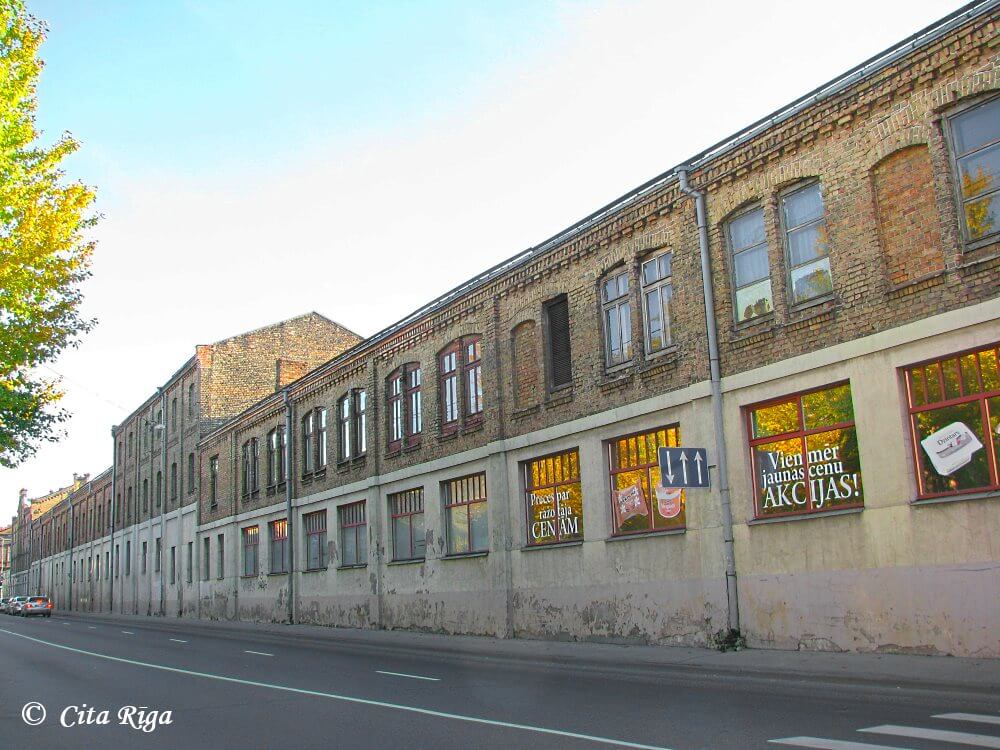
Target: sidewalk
(875, 670)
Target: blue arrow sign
(684, 467)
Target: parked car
(36, 605)
(3, 603)
(14, 605)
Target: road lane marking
(259, 653)
(178, 640)
(348, 698)
(981, 718)
(823, 744)
(91, 627)
(411, 676)
(128, 632)
(944, 735)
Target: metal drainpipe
(289, 532)
(163, 507)
(717, 418)
(114, 514)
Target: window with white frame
(617, 316)
(656, 294)
(975, 135)
(750, 265)
(806, 244)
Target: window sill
(465, 555)
(801, 307)
(757, 321)
(249, 578)
(898, 290)
(322, 569)
(414, 561)
(664, 352)
(985, 495)
(551, 545)
(977, 245)
(352, 567)
(646, 534)
(444, 437)
(805, 516)
(612, 371)
(277, 573)
(559, 396)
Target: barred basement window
(806, 244)
(278, 550)
(353, 535)
(616, 310)
(558, 354)
(804, 452)
(954, 408)
(635, 484)
(465, 514)
(553, 498)
(975, 136)
(250, 538)
(315, 527)
(406, 510)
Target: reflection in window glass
(639, 501)
(807, 246)
(554, 499)
(751, 267)
(977, 155)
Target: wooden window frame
(784, 195)
(451, 505)
(404, 401)
(406, 504)
(213, 480)
(358, 526)
(732, 252)
(659, 285)
(968, 244)
(616, 303)
(802, 433)
(530, 487)
(313, 528)
(277, 533)
(309, 443)
(465, 417)
(250, 539)
(982, 397)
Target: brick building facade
(488, 464)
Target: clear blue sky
(377, 154)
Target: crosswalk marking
(823, 744)
(981, 718)
(944, 735)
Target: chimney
(287, 370)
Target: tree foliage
(44, 255)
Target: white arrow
(697, 461)
(684, 467)
(670, 471)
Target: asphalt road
(261, 690)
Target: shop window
(406, 510)
(353, 535)
(465, 515)
(975, 135)
(750, 265)
(954, 410)
(804, 451)
(639, 501)
(806, 244)
(278, 550)
(553, 499)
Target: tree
(43, 253)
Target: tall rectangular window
(344, 427)
(461, 384)
(751, 266)
(190, 477)
(403, 406)
(559, 357)
(206, 558)
(321, 440)
(413, 401)
(806, 244)
(657, 291)
(636, 483)
(554, 498)
(617, 315)
(191, 400)
(128, 558)
(213, 480)
(173, 481)
(975, 135)
(144, 567)
(361, 421)
(278, 550)
(173, 414)
(315, 528)
(954, 410)
(220, 551)
(406, 510)
(397, 422)
(190, 562)
(157, 559)
(250, 535)
(474, 377)
(804, 453)
(449, 388)
(353, 535)
(173, 565)
(465, 514)
(272, 458)
(309, 443)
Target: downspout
(114, 513)
(716, 382)
(289, 532)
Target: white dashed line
(128, 632)
(411, 676)
(177, 640)
(944, 735)
(91, 627)
(981, 718)
(259, 653)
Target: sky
(256, 160)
